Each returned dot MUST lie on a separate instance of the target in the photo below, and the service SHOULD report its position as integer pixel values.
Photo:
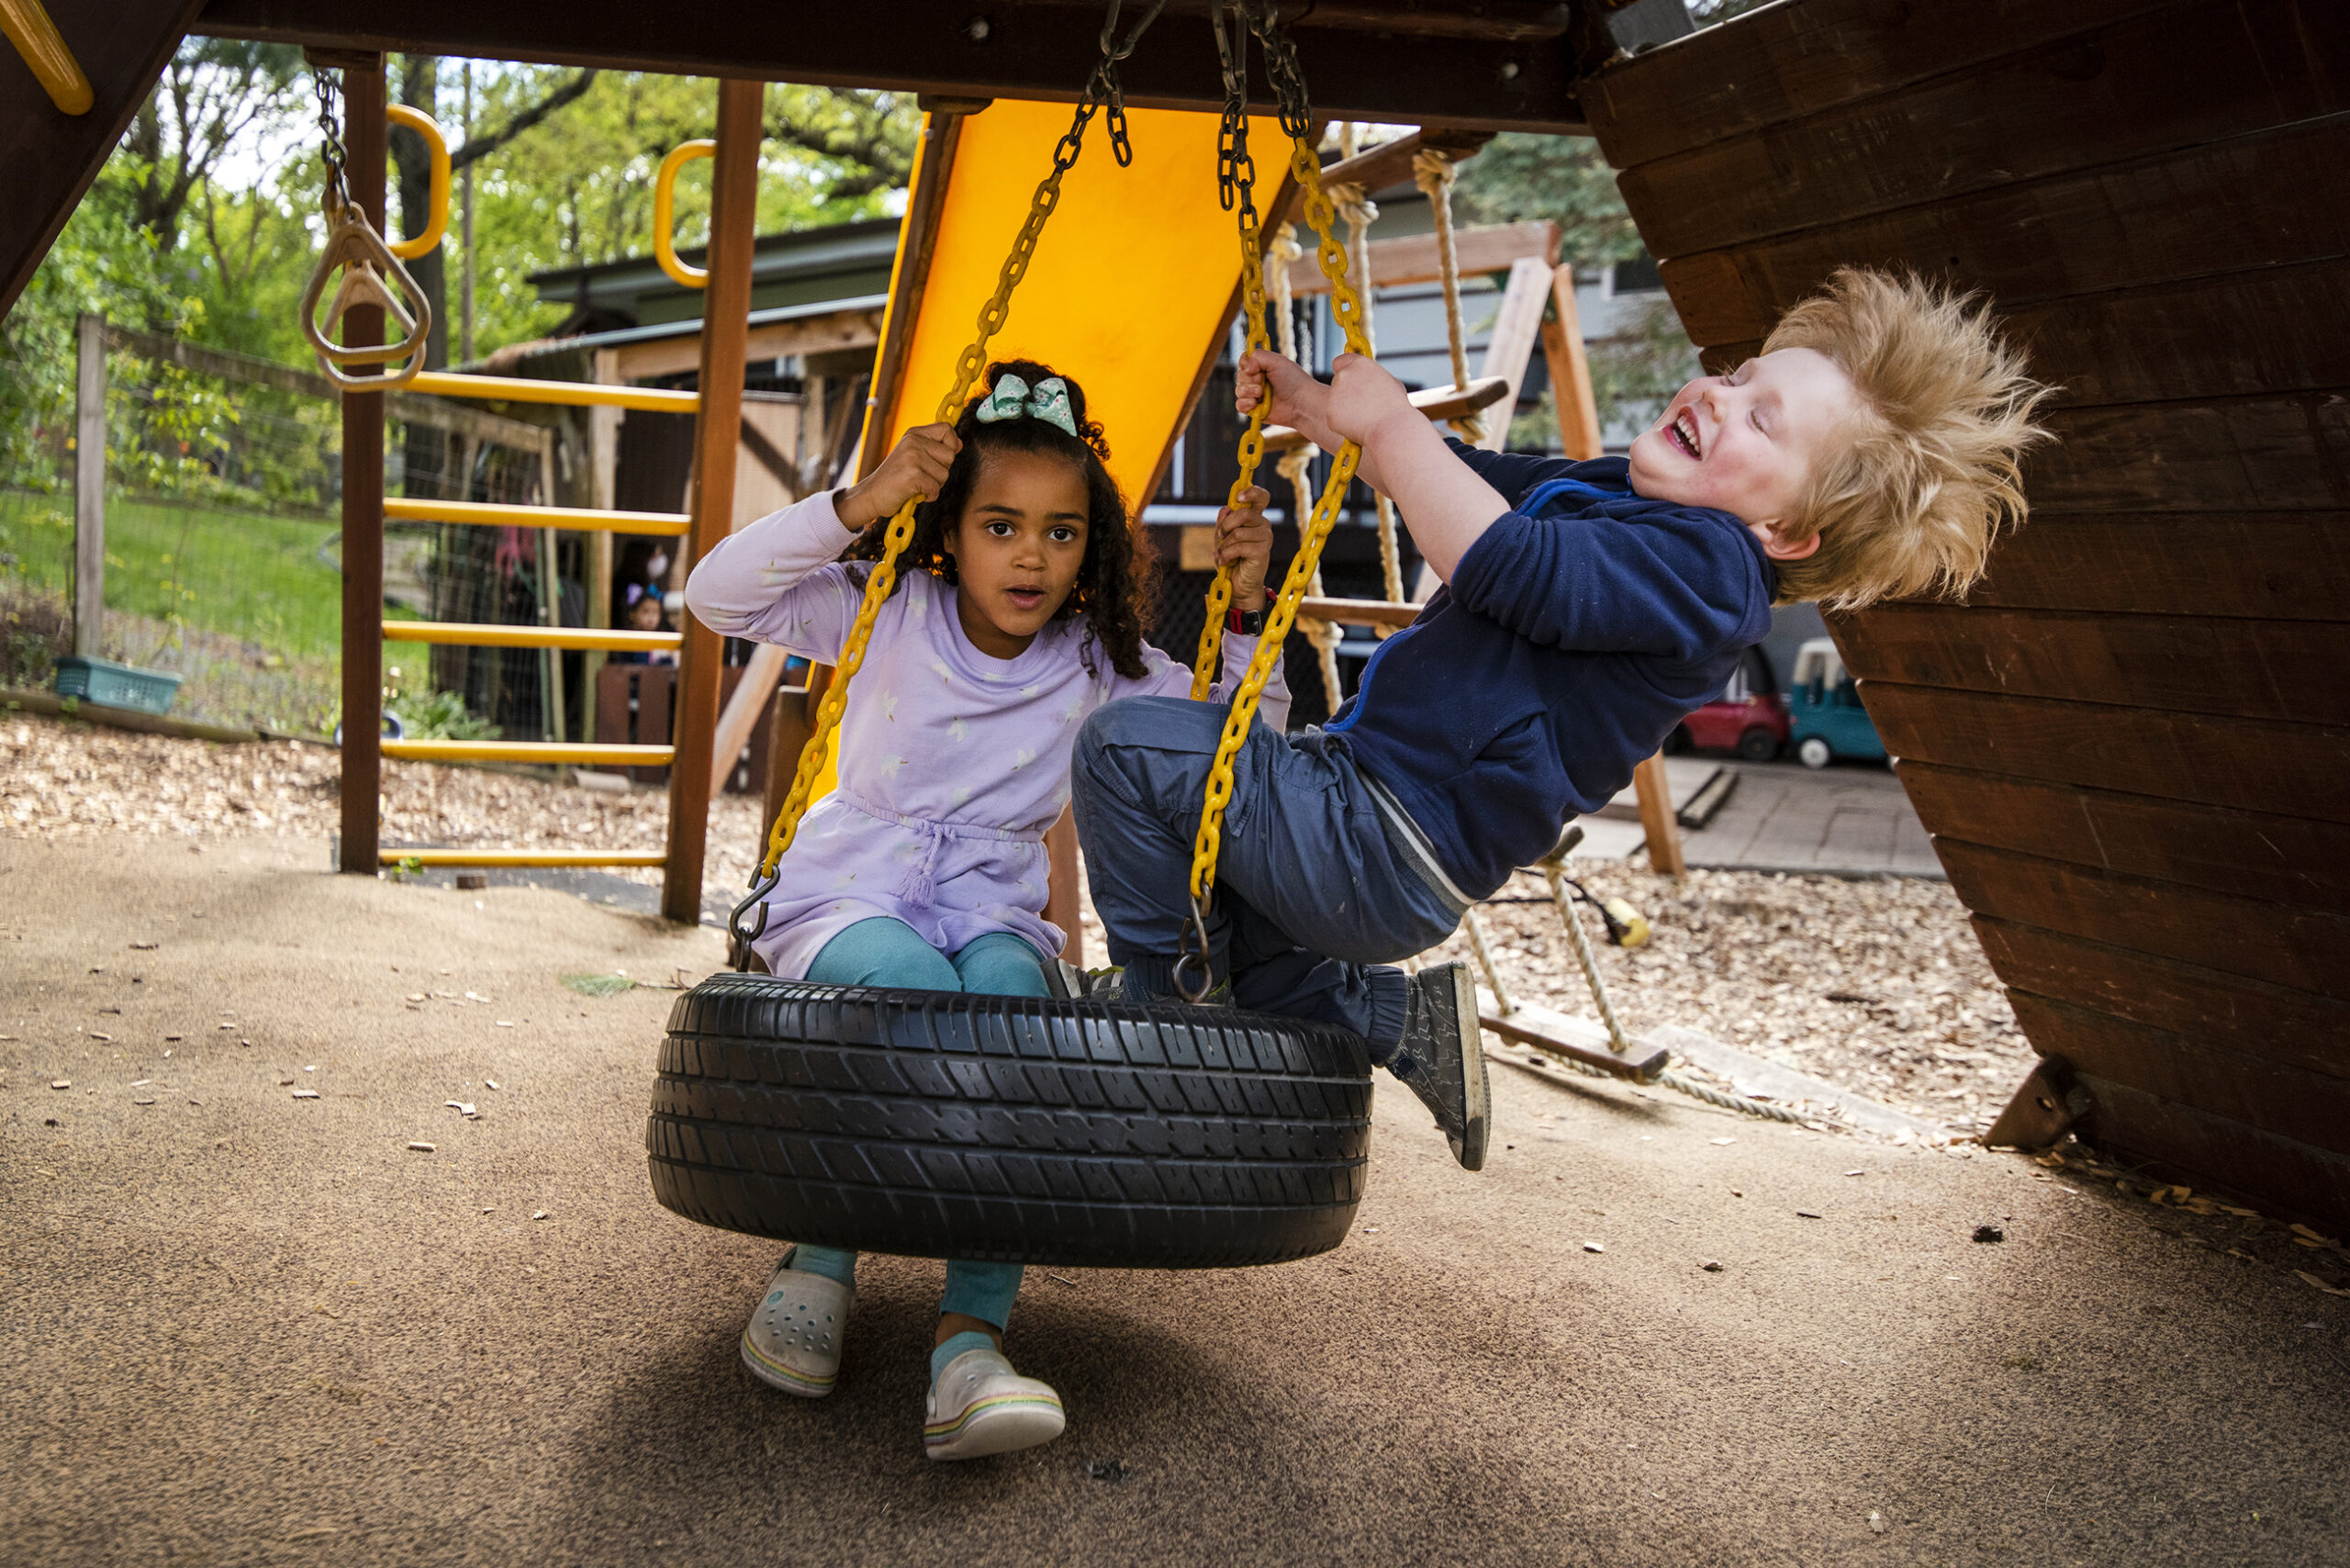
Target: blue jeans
(1311, 901)
(883, 952)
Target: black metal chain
(1102, 89)
(338, 192)
(1236, 169)
(1281, 64)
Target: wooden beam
(362, 502)
(810, 335)
(1515, 332)
(917, 243)
(1408, 259)
(1417, 65)
(1570, 371)
(1655, 794)
(717, 441)
(48, 159)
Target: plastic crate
(111, 685)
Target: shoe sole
(1479, 1114)
(996, 1425)
(774, 1374)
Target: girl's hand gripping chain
(915, 469)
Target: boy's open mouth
(1684, 431)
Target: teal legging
(884, 952)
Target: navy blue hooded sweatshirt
(1576, 633)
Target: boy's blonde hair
(1912, 502)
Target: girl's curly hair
(1115, 576)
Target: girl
(1016, 613)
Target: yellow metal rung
(578, 394)
(497, 514)
(546, 752)
(486, 636)
(524, 856)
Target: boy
(1871, 450)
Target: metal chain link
(1346, 308)
(336, 197)
(901, 532)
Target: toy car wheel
(1813, 752)
(1758, 744)
(935, 1123)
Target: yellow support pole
(578, 755)
(472, 634)
(45, 54)
(576, 394)
(498, 514)
(525, 856)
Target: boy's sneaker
(1443, 1060)
(794, 1338)
(979, 1405)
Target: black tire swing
(1066, 1131)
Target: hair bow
(1012, 400)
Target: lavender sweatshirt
(952, 763)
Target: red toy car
(1749, 717)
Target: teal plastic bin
(111, 685)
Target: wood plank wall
(2133, 746)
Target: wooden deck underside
(2133, 745)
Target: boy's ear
(1776, 544)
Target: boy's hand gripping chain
(1100, 89)
(1347, 309)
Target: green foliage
(435, 715)
(1521, 177)
(599, 985)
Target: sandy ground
(1877, 986)
(240, 1327)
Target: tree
(214, 93)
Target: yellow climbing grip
(664, 202)
(437, 201)
(1346, 308)
(46, 56)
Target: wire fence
(222, 530)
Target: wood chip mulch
(1876, 986)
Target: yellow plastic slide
(1127, 289)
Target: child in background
(1870, 451)
(1016, 615)
(644, 614)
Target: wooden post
(726, 309)
(1656, 817)
(89, 485)
(1570, 371)
(603, 468)
(1516, 329)
(1060, 886)
(363, 500)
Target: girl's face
(1017, 548)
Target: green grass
(247, 574)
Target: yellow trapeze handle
(52, 64)
(1346, 308)
(437, 201)
(664, 202)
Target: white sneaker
(794, 1337)
(979, 1405)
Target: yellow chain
(1346, 308)
(901, 527)
(1252, 452)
